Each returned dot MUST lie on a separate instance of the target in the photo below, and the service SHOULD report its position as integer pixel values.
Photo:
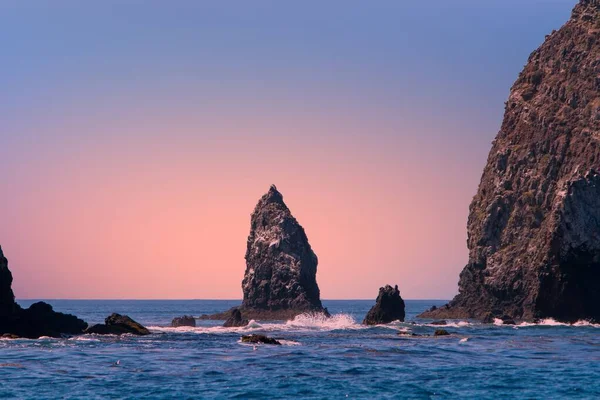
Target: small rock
(186, 320)
(259, 339)
(235, 319)
(117, 324)
(441, 332)
(9, 336)
(439, 322)
(388, 307)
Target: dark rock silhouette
(117, 324)
(388, 307)
(262, 339)
(235, 319)
(533, 227)
(186, 320)
(36, 321)
(441, 332)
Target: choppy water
(324, 359)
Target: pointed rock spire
(281, 267)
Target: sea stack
(281, 267)
(388, 307)
(534, 224)
(36, 321)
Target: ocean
(333, 358)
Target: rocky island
(534, 224)
(388, 307)
(36, 321)
(281, 267)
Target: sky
(137, 136)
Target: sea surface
(319, 359)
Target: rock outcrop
(534, 224)
(281, 267)
(36, 321)
(388, 307)
(260, 339)
(186, 320)
(117, 324)
(235, 319)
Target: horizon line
(188, 299)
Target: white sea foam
(463, 340)
(321, 322)
(552, 322)
(302, 322)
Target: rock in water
(117, 324)
(388, 307)
(186, 320)
(281, 267)
(36, 321)
(235, 320)
(259, 339)
(534, 224)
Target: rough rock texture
(280, 278)
(117, 324)
(186, 320)
(262, 339)
(534, 224)
(388, 307)
(36, 321)
(235, 319)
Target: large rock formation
(280, 279)
(534, 224)
(388, 307)
(36, 321)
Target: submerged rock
(533, 227)
(235, 319)
(186, 320)
(36, 321)
(388, 307)
(441, 332)
(262, 339)
(117, 324)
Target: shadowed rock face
(7, 298)
(534, 224)
(235, 319)
(280, 279)
(36, 321)
(388, 307)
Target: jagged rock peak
(281, 266)
(534, 247)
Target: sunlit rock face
(534, 224)
(281, 267)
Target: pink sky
(137, 137)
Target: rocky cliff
(534, 224)
(281, 267)
(7, 298)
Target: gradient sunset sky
(137, 136)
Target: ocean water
(320, 358)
